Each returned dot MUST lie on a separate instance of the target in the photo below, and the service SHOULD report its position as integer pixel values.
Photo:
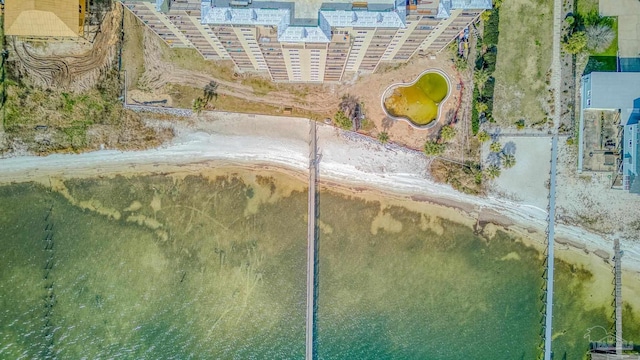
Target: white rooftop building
(308, 40)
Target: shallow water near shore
(167, 267)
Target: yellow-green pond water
(418, 102)
(196, 268)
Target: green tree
(460, 63)
(575, 43)
(481, 107)
(492, 172)
(383, 137)
(342, 120)
(198, 105)
(599, 37)
(432, 148)
(495, 147)
(508, 161)
(570, 20)
(483, 136)
(480, 78)
(485, 15)
(447, 133)
(520, 124)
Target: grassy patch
(601, 63)
(524, 58)
(183, 97)
(191, 59)
(260, 86)
(585, 7)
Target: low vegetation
(349, 114)
(209, 93)
(447, 133)
(483, 71)
(523, 61)
(342, 121)
(589, 32)
(433, 148)
(45, 121)
(466, 177)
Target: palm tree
(447, 133)
(599, 37)
(508, 161)
(481, 107)
(383, 137)
(492, 172)
(480, 77)
(483, 136)
(211, 91)
(495, 147)
(198, 105)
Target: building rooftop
(291, 28)
(615, 90)
(445, 6)
(43, 18)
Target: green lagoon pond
(419, 101)
(198, 267)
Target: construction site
(62, 88)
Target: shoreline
(351, 164)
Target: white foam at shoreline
(346, 158)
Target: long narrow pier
(311, 241)
(550, 242)
(618, 290)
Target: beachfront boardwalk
(311, 241)
(550, 241)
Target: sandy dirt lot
(589, 200)
(526, 182)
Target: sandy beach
(349, 161)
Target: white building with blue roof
(618, 91)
